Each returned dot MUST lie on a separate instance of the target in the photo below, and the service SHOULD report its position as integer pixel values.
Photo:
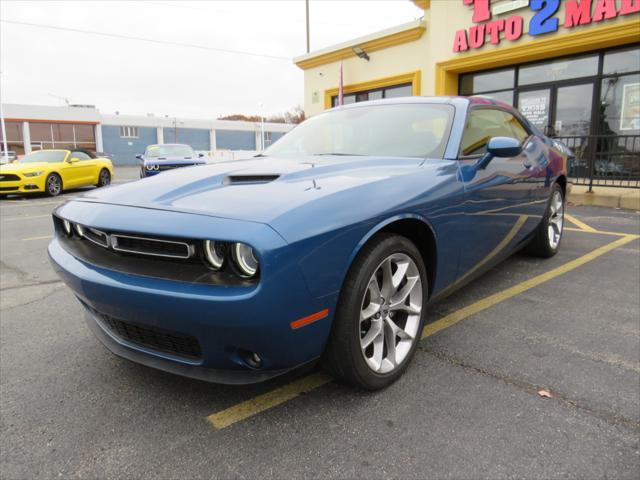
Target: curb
(627, 198)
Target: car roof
(169, 145)
(460, 101)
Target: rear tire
(548, 236)
(373, 338)
(104, 178)
(53, 185)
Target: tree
(295, 115)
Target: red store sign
(544, 20)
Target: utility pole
(307, 9)
(4, 136)
(4, 131)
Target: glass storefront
(591, 102)
(404, 90)
(14, 137)
(62, 135)
(575, 96)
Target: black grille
(9, 177)
(148, 246)
(8, 189)
(96, 236)
(154, 338)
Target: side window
(80, 155)
(483, 124)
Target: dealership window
(395, 91)
(498, 84)
(45, 135)
(587, 94)
(129, 132)
(14, 137)
(562, 69)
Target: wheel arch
(415, 228)
(562, 181)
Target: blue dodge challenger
(328, 247)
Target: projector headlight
(33, 174)
(66, 225)
(79, 229)
(152, 167)
(245, 259)
(214, 252)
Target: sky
(44, 66)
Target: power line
(149, 40)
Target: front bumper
(23, 185)
(227, 321)
(166, 167)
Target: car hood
(173, 160)
(259, 189)
(18, 167)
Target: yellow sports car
(52, 171)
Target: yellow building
(569, 65)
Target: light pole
(4, 132)
(262, 125)
(307, 12)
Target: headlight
(66, 225)
(214, 253)
(152, 167)
(79, 229)
(244, 259)
(33, 174)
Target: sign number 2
(542, 21)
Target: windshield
(47, 156)
(398, 130)
(163, 151)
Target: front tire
(104, 178)
(548, 235)
(380, 314)
(53, 185)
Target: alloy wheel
(556, 219)
(54, 185)
(390, 313)
(104, 178)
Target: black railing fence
(604, 160)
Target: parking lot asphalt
(468, 406)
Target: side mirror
(200, 155)
(73, 160)
(139, 156)
(504, 147)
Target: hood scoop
(249, 179)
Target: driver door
(79, 170)
(500, 204)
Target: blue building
(36, 127)
(126, 136)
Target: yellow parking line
(268, 400)
(43, 237)
(25, 203)
(581, 225)
(249, 408)
(24, 217)
(597, 232)
(496, 298)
